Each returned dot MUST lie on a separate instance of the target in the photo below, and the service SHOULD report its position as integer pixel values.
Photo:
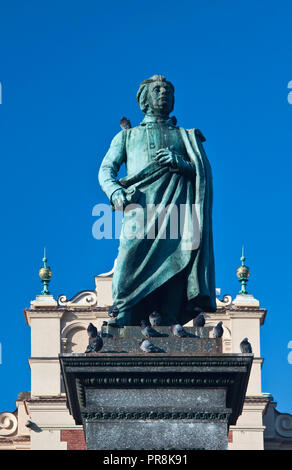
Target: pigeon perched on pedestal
(199, 320)
(148, 347)
(178, 330)
(245, 346)
(218, 330)
(95, 340)
(155, 319)
(147, 331)
(113, 311)
(33, 426)
(125, 123)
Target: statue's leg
(124, 318)
(133, 316)
(140, 311)
(172, 297)
(168, 300)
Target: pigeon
(92, 331)
(245, 346)
(125, 123)
(147, 331)
(113, 311)
(218, 330)
(148, 347)
(199, 320)
(95, 340)
(178, 330)
(33, 426)
(155, 319)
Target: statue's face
(160, 97)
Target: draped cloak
(146, 263)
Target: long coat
(145, 263)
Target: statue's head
(156, 96)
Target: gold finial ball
(45, 273)
(242, 271)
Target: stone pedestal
(185, 398)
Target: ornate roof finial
(45, 274)
(243, 273)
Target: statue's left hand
(119, 199)
(165, 157)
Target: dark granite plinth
(158, 434)
(164, 418)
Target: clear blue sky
(69, 71)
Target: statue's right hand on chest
(165, 157)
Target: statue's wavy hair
(142, 95)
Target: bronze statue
(166, 168)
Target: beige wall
(63, 329)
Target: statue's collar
(156, 119)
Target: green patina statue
(168, 270)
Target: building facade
(42, 421)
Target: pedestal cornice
(229, 371)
